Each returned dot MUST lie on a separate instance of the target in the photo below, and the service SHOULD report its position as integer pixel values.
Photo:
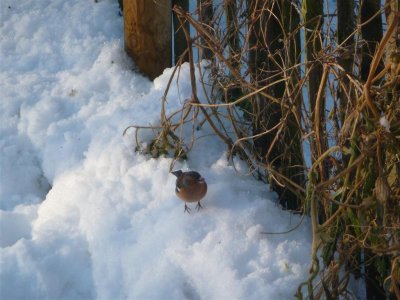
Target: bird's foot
(187, 209)
(198, 206)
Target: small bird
(190, 187)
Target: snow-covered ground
(82, 215)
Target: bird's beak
(177, 173)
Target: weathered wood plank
(148, 34)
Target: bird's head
(177, 173)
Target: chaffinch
(190, 187)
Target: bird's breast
(192, 193)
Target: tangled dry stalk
(352, 188)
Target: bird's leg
(198, 206)
(187, 209)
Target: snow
(385, 124)
(84, 216)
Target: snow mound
(85, 216)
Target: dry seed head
(382, 190)
(395, 57)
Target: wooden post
(148, 34)
(206, 15)
(180, 44)
(372, 33)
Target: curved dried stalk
(353, 188)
